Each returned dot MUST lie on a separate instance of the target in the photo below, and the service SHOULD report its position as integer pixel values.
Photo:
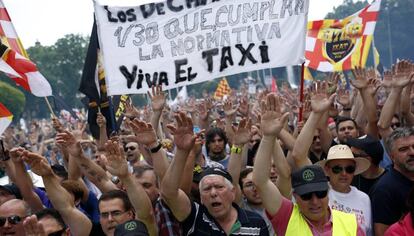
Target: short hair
(341, 119)
(213, 132)
(138, 171)
(226, 182)
(73, 187)
(52, 213)
(117, 194)
(60, 171)
(243, 175)
(398, 133)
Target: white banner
(182, 42)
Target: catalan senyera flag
(14, 60)
(307, 74)
(341, 44)
(223, 89)
(6, 118)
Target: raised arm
(92, 170)
(118, 166)
(175, 198)
(241, 138)
(62, 201)
(158, 99)
(320, 104)
(283, 181)
(406, 112)
(103, 136)
(271, 124)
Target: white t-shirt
(356, 202)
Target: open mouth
(215, 204)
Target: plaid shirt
(168, 225)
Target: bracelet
(157, 148)
(347, 109)
(235, 149)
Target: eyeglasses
(318, 194)
(249, 185)
(14, 220)
(339, 169)
(395, 125)
(132, 148)
(116, 213)
(57, 233)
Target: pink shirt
(280, 221)
(401, 228)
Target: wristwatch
(156, 148)
(235, 149)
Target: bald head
(14, 211)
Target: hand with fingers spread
(387, 81)
(333, 80)
(228, 108)
(116, 162)
(320, 102)
(242, 133)
(361, 78)
(68, 140)
(183, 132)
(272, 117)
(38, 164)
(33, 227)
(131, 111)
(57, 125)
(100, 120)
(344, 98)
(373, 86)
(158, 98)
(203, 111)
(401, 74)
(244, 107)
(144, 133)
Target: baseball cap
(131, 228)
(369, 145)
(309, 179)
(12, 189)
(216, 171)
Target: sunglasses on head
(318, 194)
(14, 220)
(348, 169)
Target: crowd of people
(246, 165)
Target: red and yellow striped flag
(339, 45)
(6, 118)
(222, 90)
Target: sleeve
(189, 223)
(281, 219)
(383, 210)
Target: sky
(48, 20)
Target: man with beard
(346, 128)
(216, 141)
(390, 193)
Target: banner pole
(50, 107)
(301, 95)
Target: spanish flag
(341, 44)
(6, 118)
(222, 90)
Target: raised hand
(68, 140)
(56, 124)
(387, 81)
(344, 98)
(37, 163)
(16, 154)
(183, 132)
(131, 111)
(272, 119)
(203, 111)
(32, 227)
(244, 107)
(373, 86)
(100, 120)
(242, 133)
(320, 102)
(333, 82)
(157, 97)
(228, 108)
(144, 133)
(361, 78)
(401, 74)
(116, 162)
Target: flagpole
(301, 95)
(50, 107)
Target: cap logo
(308, 175)
(129, 226)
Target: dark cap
(197, 173)
(131, 228)
(308, 179)
(12, 189)
(216, 171)
(369, 145)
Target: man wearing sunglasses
(341, 166)
(12, 214)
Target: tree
(12, 98)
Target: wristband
(157, 148)
(347, 109)
(235, 149)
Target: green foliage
(12, 98)
(393, 32)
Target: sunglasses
(57, 233)
(14, 220)
(318, 194)
(339, 169)
(132, 148)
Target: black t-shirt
(388, 197)
(364, 184)
(96, 230)
(201, 223)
